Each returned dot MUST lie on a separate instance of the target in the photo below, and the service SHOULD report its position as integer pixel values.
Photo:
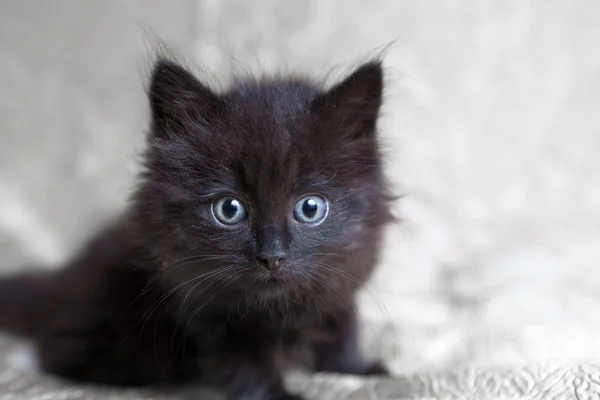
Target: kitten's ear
(178, 98)
(353, 104)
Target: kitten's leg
(71, 361)
(101, 356)
(257, 381)
(341, 353)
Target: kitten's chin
(272, 284)
(272, 291)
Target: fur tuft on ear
(178, 98)
(353, 104)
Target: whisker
(184, 306)
(191, 260)
(161, 300)
(149, 286)
(214, 293)
(377, 300)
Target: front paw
(278, 393)
(289, 396)
(361, 368)
(280, 396)
(377, 369)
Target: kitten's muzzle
(272, 246)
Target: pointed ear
(177, 99)
(352, 106)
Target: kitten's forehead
(273, 117)
(271, 124)
(271, 108)
(283, 94)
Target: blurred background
(491, 124)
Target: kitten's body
(170, 294)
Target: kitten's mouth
(275, 278)
(272, 278)
(273, 285)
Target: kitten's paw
(280, 396)
(362, 368)
(377, 369)
(289, 396)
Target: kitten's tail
(22, 303)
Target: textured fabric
(533, 382)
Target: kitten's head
(273, 188)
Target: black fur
(166, 294)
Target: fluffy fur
(167, 294)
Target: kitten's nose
(271, 261)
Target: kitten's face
(273, 188)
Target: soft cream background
(491, 122)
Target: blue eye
(311, 209)
(228, 211)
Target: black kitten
(258, 217)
